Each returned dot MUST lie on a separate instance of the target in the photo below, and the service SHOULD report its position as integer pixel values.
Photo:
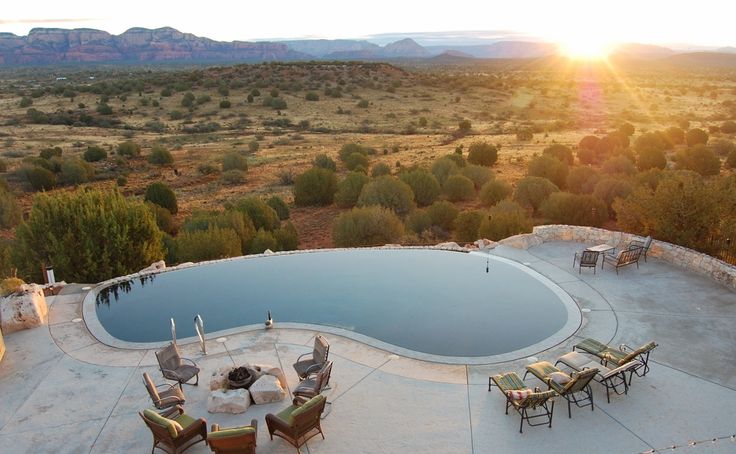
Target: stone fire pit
(232, 389)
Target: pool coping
(571, 326)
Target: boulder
(218, 379)
(24, 310)
(484, 243)
(449, 245)
(155, 266)
(273, 371)
(228, 401)
(267, 389)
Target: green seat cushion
(286, 414)
(591, 346)
(185, 420)
(311, 403)
(231, 432)
(173, 426)
(542, 369)
(508, 382)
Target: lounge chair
(315, 382)
(174, 367)
(233, 440)
(644, 245)
(623, 258)
(306, 364)
(619, 356)
(568, 386)
(523, 399)
(299, 422)
(165, 398)
(612, 379)
(588, 259)
(174, 430)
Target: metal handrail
(199, 327)
(173, 332)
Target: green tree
(494, 191)
(532, 191)
(561, 152)
(75, 171)
(316, 186)
(356, 160)
(367, 226)
(162, 195)
(279, 206)
(380, 169)
(388, 192)
(696, 136)
(466, 226)
(458, 187)
(88, 236)
(442, 214)
(287, 237)
(618, 165)
(129, 148)
(700, 159)
(40, 179)
(574, 209)
(550, 168)
(444, 167)
(211, 244)
(609, 189)
(164, 219)
(424, 186)
(325, 162)
(235, 220)
(262, 241)
(464, 127)
(582, 179)
(160, 156)
(651, 159)
(418, 221)
(727, 127)
(504, 220)
(10, 212)
(234, 161)
(479, 175)
(482, 153)
(94, 154)
(263, 216)
(349, 189)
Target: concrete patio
(63, 391)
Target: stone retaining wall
(677, 255)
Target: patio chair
(173, 366)
(173, 430)
(298, 423)
(306, 364)
(623, 258)
(315, 382)
(575, 388)
(619, 356)
(612, 379)
(165, 398)
(644, 245)
(588, 259)
(233, 440)
(523, 399)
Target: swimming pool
(435, 302)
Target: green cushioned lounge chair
(613, 379)
(619, 356)
(299, 422)
(233, 440)
(173, 430)
(575, 391)
(535, 400)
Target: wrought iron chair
(306, 364)
(165, 398)
(174, 367)
(587, 259)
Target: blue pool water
(430, 301)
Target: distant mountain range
(45, 46)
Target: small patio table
(602, 248)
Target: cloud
(43, 21)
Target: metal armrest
(192, 362)
(165, 384)
(313, 369)
(302, 356)
(169, 398)
(171, 411)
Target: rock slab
(233, 401)
(23, 311)
(266, 390)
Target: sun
(587, 46)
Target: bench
(623, 258)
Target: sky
(705, 22)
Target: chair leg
(569, 411)
(521, 425)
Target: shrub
(253, 146)
(363, 104)
(442, 214)
(104, 109)
(349, 189)
(550, 168)
(356, 160)
(722, 147)
(532, 191)
(207, 169)
(25, 102)
(367, 226)
(279, 206)
(121, 181)
(418, 221)
(494, 191)
(263, 216)
(316, 186)
(588, 143)
(48, 153)
(582, 180)
(287, 237)
(232, 177)
(458, 187)
(160, 156)
(129, 148)
(226, 104)
(560, 152)
(162, 195)
(275, 103)
(700, 159)
(311, 96)
(482, 153)
(524, 135)
(231, 219)
(618, 165)
(627, 129)
(731, 160)
(504, 220)
(388, 192)
(40, 179)
(94, 154)
(75, 171)
(97, 235)
(727, 127)
(262, 241)
(211, 244)
(10, 285)
(650, 141)
(325, 162)
(234, 161)
(188, 99)
(164, 219)
(651, 159)
(675, 135)
(466, 226)
(479, 175)
(696, 136)
(10, 212)
(574, 209)
(350, 148)
(3, 165)
(464, 126)
(424, 186)
(443, 168)
(608, 189)
(380, 170)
